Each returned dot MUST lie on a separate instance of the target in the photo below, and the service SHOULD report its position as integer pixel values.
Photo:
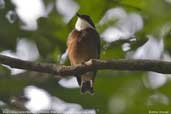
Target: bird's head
(83, 22)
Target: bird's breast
(81, 49)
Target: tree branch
(131, 65)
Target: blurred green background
(139, 29)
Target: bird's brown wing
(93, 36)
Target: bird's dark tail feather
(87, 87)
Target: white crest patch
(82, 24)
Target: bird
(83, 44)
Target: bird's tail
(87, 87)
(87, 83)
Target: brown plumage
(82, 46)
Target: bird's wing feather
(94, 36)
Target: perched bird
(84, 44)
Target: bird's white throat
(82, 24)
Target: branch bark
(121, 64)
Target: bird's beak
(78, 15)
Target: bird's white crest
(82, 24)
